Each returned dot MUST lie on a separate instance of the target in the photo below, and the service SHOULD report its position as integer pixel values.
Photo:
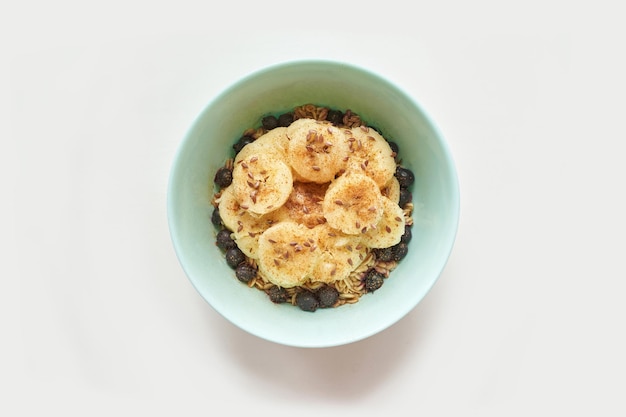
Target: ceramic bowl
(208, 143)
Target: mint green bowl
(276, 89)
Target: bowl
(280, 88)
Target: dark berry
(406, 237)
(335, 117)
(223, 177)
(400, 251)
(405, 197)
(215, 217)
(373, 280)
(327, 296)
(234, 256)
(243, 141)
(277, 294)
(394, 147)
(285, 119)
(269, 122)
(384, 254)
(306, 301)
(405, 177)
(245, 272)
(224, 241)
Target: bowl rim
(453, 185)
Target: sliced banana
(352, 203)
(318, 151)
(340, 255)
(304, 205)
(245, 227)
(389, 229)
(262, 183)
(391, 190)
(274, 143)
(371, 154)
(287, 253)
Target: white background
(98, 318)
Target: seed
(240, 228)
(254, 159)
(243, 206)
(305, 209)
(372, 209)
(371, 138)
(286, 255)
(398, 219)
(345, 158)
(349, 247)
(363, 166)
(307, 244)
(350, 261)
(332, 234)
(271, 240)
(363, 230)
(313, 247)
(298, 248)
(244, 165)
(264, 172)
(388, 229)
(269, 207)
(309, 148)
(366, 162)
(251, 234)
(250, 175)
(339, 202)
(316, 168)
(328, 143)
(276, 262)
(358, 225)
(364, 128)
(293, 243)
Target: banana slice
(287, 253)
(262, 183)
(389, 229)
(273, 143)
(371, 154)
(304, 205)
(340, 255)
(245, 227)
(318, 151)
(391, 190)
(352, 203)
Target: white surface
(98, 318)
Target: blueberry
(216, 219)
(400, 251)
(245, 272)
(394, 147)
(223, 177)
(373, 280)
(407, 236)
(405, 197)
(405, 177)
(306, 301)
(234, 256)
(269, 122)
(224, 241)
(277, 294)
(327, 296)
(285, 119)
(335, 117)
(243, 141)
(384, 254)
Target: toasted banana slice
(245, 227)
(340, 255)
(273, 143)
(389, 229)
(392, 190)
(371, 154)
(352, 203)
(287, 253)
(317, 150)
(262, 183)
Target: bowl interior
(207, 145)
